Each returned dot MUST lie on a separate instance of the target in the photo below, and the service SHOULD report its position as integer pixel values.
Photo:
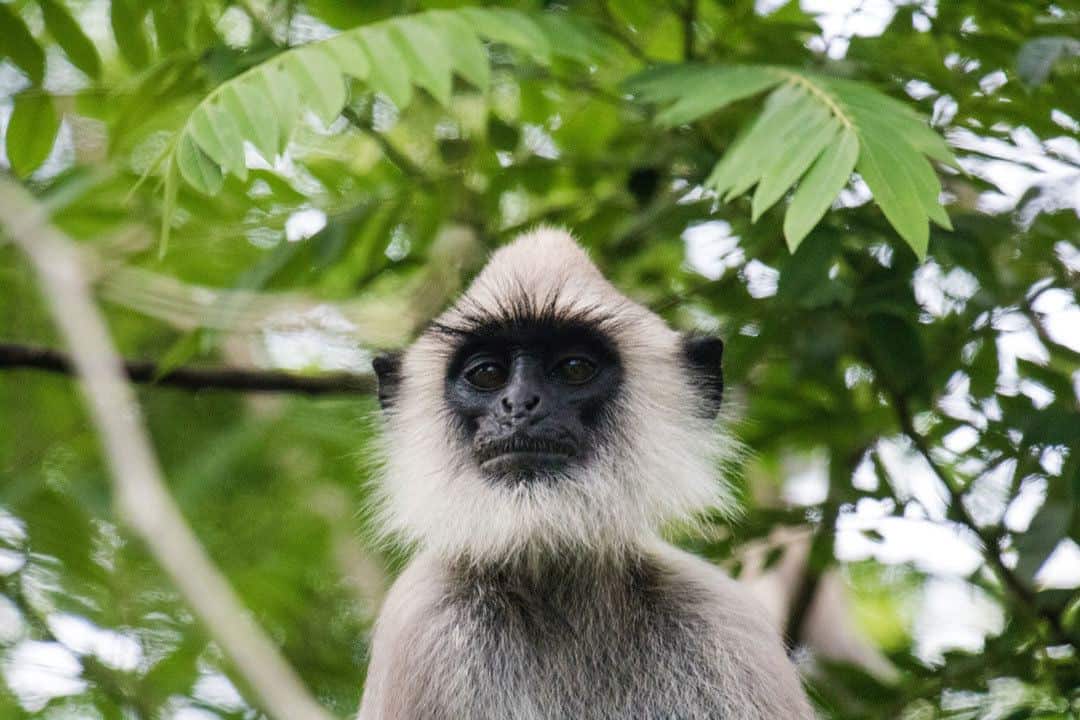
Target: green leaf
(573, 41)
(470, 57)
(171, 183)
(31, 131)
(735, 161)
(910, 163)
(350, 54)
(718, 89)
(894, 191)
(827, 177)
(253, 114)
(17, 44)
(821, 124)
(780, 127)
(926, 182)
(667, 83)
(792, 163)
(275, 83)
(319, 81)
(1038, 57)
(512, 28)
(768, 143)
(868, 106)
(154, 92)
(428, 58)
(70, 36)
(214, 128)
(388, 69)
(196, 167)
(264, 104)
(127, 23)
(693, 107)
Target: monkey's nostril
(518, 406)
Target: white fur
(657, 472)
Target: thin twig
(689, 19)
(15, 356)
(1024, 595)
(613, 28)
(821, 546)
(142, 498)
(395, 156)
(809, 581)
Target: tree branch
(15, 356)
(822, 545)
(1015, 586)
(143, 500)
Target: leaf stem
(821, 94)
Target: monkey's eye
(575, 370)
(486, 375)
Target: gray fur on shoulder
(657, 634)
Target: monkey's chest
(580, 653)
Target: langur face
(545, 406)
(532, 400)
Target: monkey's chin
(525, 466)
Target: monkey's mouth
(521, 453)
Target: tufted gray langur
(539, 435)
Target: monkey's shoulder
(668, 635)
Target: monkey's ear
(702, 355)
(387, 368)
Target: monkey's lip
(519, 453)
(511, 461)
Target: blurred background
(910, 491)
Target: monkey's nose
(521, 399)
(519, 403)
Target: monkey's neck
(552, 573)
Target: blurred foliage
(842, 355)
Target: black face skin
(532, 399)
